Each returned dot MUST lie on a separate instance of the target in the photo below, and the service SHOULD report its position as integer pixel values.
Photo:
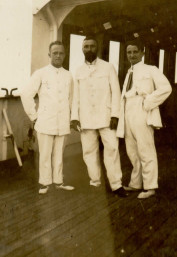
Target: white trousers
(139, 139)
(50, 158)
(90, 146)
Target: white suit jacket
(96, 95)
(54, 88)
(153, 86)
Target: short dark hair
(136, 42)
(91, 37)
(59, 43)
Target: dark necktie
(129, 84)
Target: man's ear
(49, 54)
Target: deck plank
(161, 242)
(87, 222)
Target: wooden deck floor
(87, 222)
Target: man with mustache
(95, 112)
(144, 89)
(54, 86)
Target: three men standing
(95, 111)
(145, 88)
(54, 86)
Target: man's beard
(90, 56)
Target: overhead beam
(78, 2)
(39, 4)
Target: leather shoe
(121, 192)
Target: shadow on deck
(90, 222)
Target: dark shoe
(121, 192)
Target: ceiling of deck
(155, 21)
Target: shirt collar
(136, 65)
(92, 63)
(55, 69)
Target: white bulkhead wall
(15, 42)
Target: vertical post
(53, 24)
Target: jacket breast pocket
(45, 86)
(144, 85)
(101, 82)
(45, 83)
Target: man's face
(57, 55)
(134, 55)
(90, 49)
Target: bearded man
(95, 112)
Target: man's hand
(33, 123)
(75, 124)
(113, 123)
